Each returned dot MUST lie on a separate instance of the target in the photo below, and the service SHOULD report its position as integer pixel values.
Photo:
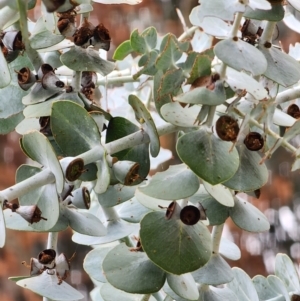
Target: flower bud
(51, 82)
(12, 40)
(45, 68)
(126, 172)
(66, 27)
(26, 78)
(81, 198)
(72, 168)
(31, 214)
(173, 210)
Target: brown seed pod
(66, 27)
(132, 175)
(32, 213)
(45, 125)
(294, 111)
(227, 128)
(83, 35)
(75, 169)
(295, 298)
(101, 37)
(254, 141)
(25, 78)
(12, 40)
(47, 256)
(170, 210)
(190, 215)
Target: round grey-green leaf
(174, 113)
(217, 271)
(282, 68)
(47, 286)
(84, 222)
(215, 212)
(264, 289)
(75, 131)
(241, 56)
(251, 175)
(208, 156)
(175, 183)
(132, 211)
(110, 293)
(142, 275)
(285, 270)
(184, 286)
(115, 195)
(204, 96)
(115, 230)
(92, 263)
(242, 286)
(38, 147)
(248, 217)
(80, 59)
(144, 117)
(45, 39)
(179, 248)
(217, 294)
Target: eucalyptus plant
(231, 103)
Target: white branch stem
(158, 296)
(188, 34)
(52, 240)
(267, 33)
(36, 181)
(110, 213)
(287, 95)
(116, 80)
(236, 25)
(216, 238)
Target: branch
(216, 238)
(21, 188)
(287, 95)
(267, 34)
(32, 54)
